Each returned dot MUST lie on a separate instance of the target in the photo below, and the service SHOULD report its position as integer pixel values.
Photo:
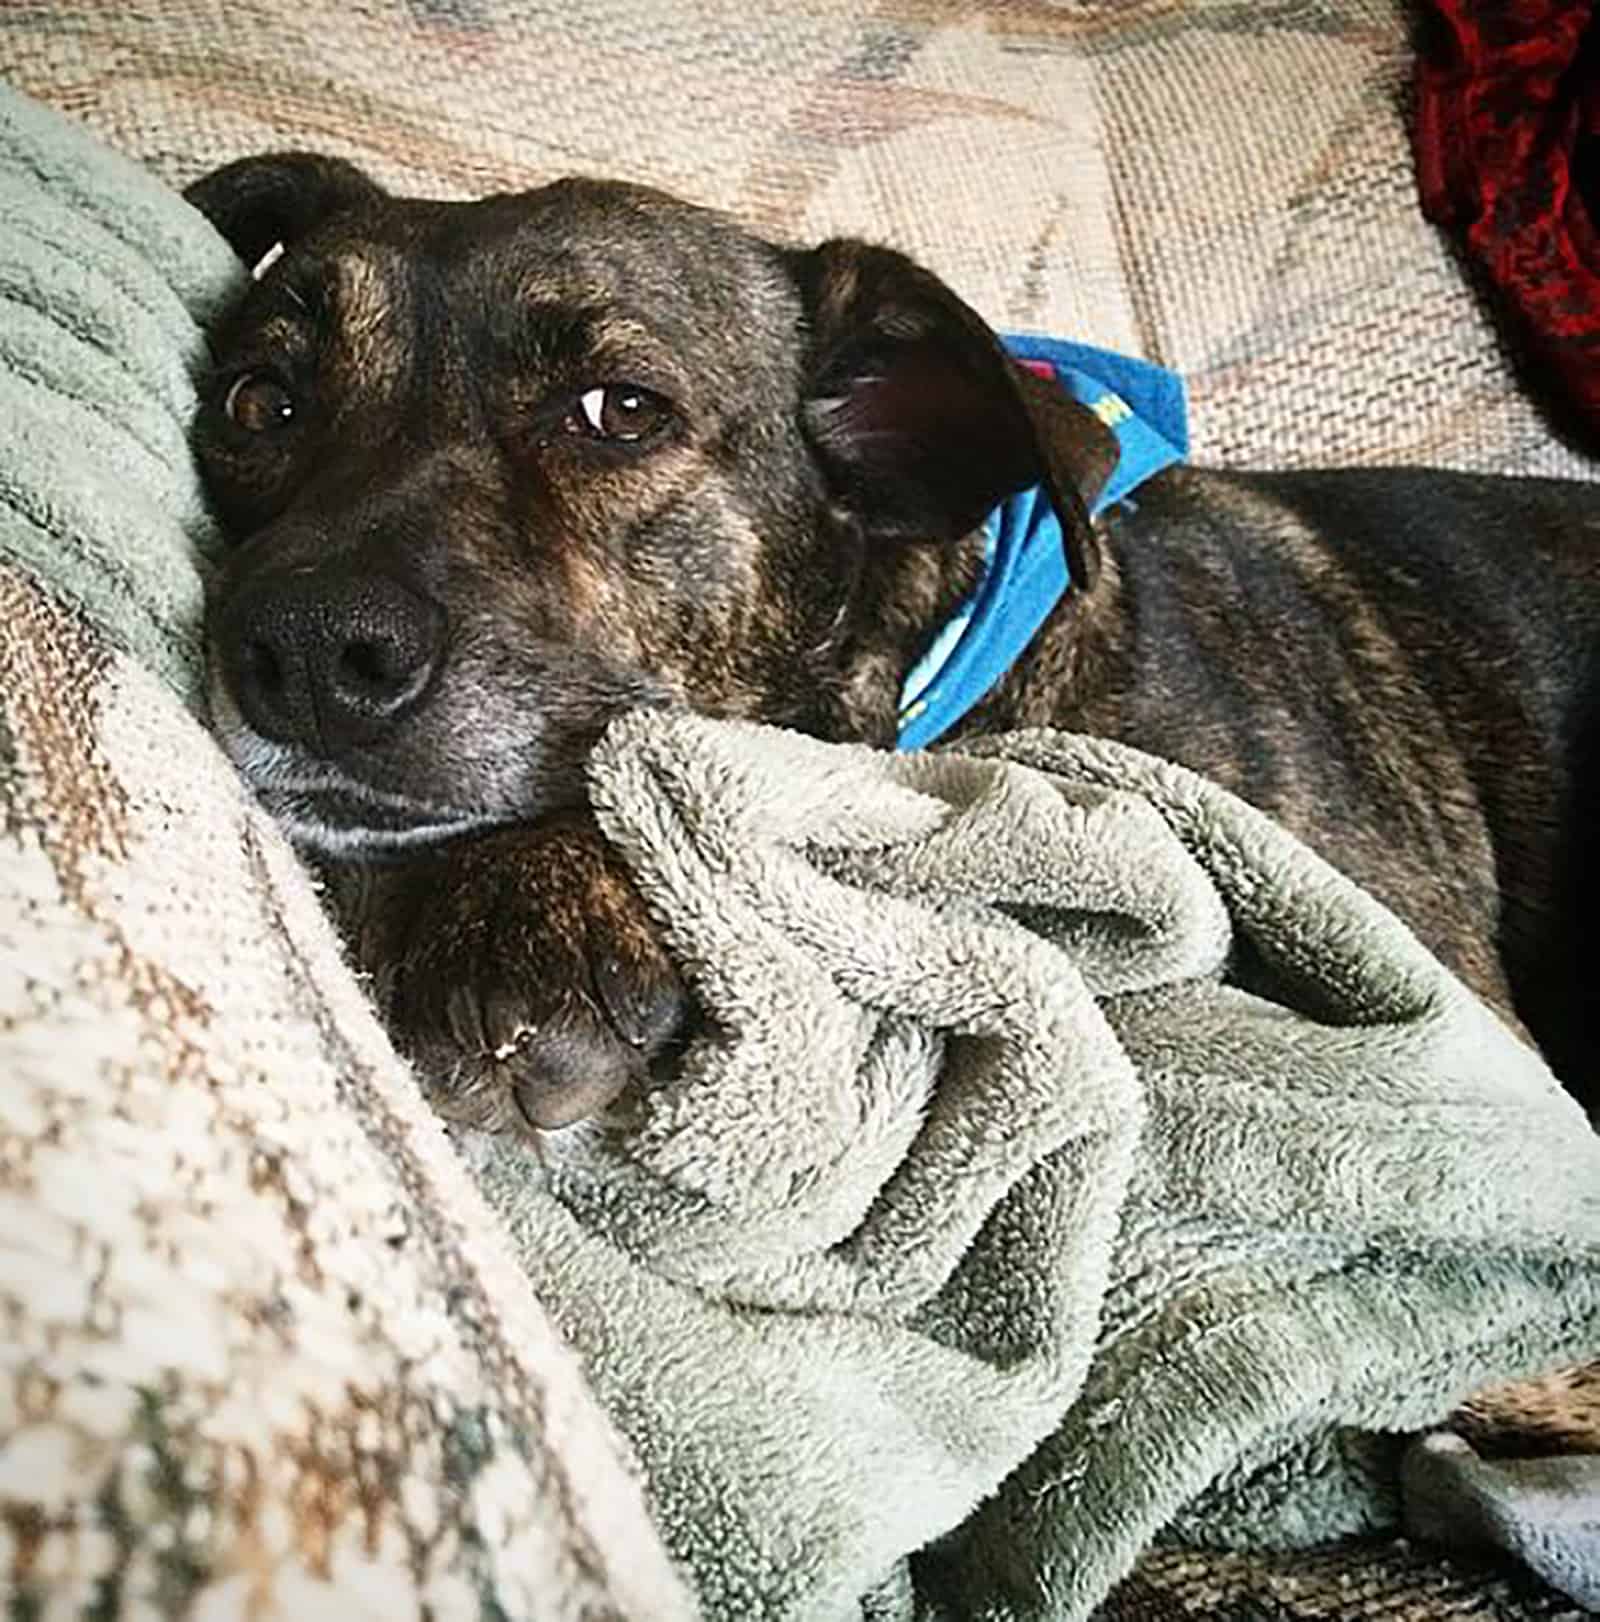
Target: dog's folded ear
(921, 420)
(278, 197)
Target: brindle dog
(497, 471)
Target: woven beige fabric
(1352, 1583)
(265, 1355)
(1222, 185)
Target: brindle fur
(454, 941)
(1399, 665)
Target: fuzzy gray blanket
(1072, 1159)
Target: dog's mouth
(327, 809)
(341, 816)
(324, 807)
(447, 771)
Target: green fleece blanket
(1075, 1159)
(1072, 1159)
(107, 281)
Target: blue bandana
(1025, 563)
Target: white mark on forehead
(266, 261)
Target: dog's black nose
(330, 662)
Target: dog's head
(495, 471)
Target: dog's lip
(339, 789)
(327, 808)
(346, 815)
(299, 787)
(351, 803)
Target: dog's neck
(911, 594)
(1071, 673)
(998, 622)
(906, 592)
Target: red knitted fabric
(1507, 143)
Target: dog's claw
(463, 1014)
(645, 1010)
(507, 1019)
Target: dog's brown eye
(259, 403)
(619, 411)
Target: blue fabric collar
(1025, 566)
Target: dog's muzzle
(328, 661)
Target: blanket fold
(1547, 1511)
(1070, 1157)
(107, 281)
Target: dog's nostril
(263, 668)
(379, 671)
(370, 664)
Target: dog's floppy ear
(918, 416)
(256, 203)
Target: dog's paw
(522, 975)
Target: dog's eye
(620, 411)
(258, 403)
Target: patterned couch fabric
(265, 1354)
(1222, 185)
